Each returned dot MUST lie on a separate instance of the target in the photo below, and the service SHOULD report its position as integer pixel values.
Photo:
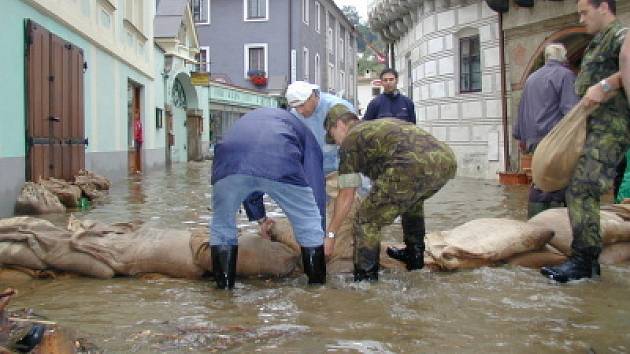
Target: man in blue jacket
(311, 106)
(271, 151)
(391, 103)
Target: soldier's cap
(334, 113)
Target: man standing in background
(391, 103)
(549, 94)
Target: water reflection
(505, 309)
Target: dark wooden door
(55, 119)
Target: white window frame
(306, 59)
(305, 11)
(318, 70)
(318, 25)
(207, 62)
(256, 19)
(208, 14)
(246, 49)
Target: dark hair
(388, 71)
(612, 4)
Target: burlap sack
(548, 256)
(53, 247)
(19, 254)
(483, 242)
(146, 250)
(613, 228)
(67, 193)
(256, 256)
(34, 199)
(615, 253)
(557, 153)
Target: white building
(447, 54)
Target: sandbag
(615, 253)
(19, 254)
(256, 256)
(557, 153)
(34, 199)
(613, 228)
(483, 242)
(91, 184)
(146, 250)
(68, 194)
(548, 256)
(52, 246)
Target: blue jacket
(395, 105)
(272, 143)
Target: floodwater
(504, 309)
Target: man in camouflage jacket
(607, 138)
(406, 165)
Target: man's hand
(265, 228)
(329, 246)
(594, 95)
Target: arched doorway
(185, 117)
(575, 39)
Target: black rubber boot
(314, 264)
(31, 339)
(366, 264)
(582, 264)
(224, 265)
(413, 254)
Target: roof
(168, 18)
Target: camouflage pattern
(608, 138)
(407, 165)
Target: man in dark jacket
(391, 103)
(549, 94)
(271, 151)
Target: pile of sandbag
(36, 247)
(54, 195)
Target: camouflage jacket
(372, 147)
(601, 59)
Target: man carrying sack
(607, 139)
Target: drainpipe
(504, 112)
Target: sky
(361, 6)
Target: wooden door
(55, 112)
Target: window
(342, 83)
(340, 50)
(318, 16)
(255, 57)
(134, 13)
(331, 77)
(201, 11)
(318, 70)
(305, 14)
(305, 57)
(256, 10)
(203, 59)
(469, 65)
(329, 41)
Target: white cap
(298, 92)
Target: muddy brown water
(503, 309)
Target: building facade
(82, 72)
(447, 54)
(264, 44)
